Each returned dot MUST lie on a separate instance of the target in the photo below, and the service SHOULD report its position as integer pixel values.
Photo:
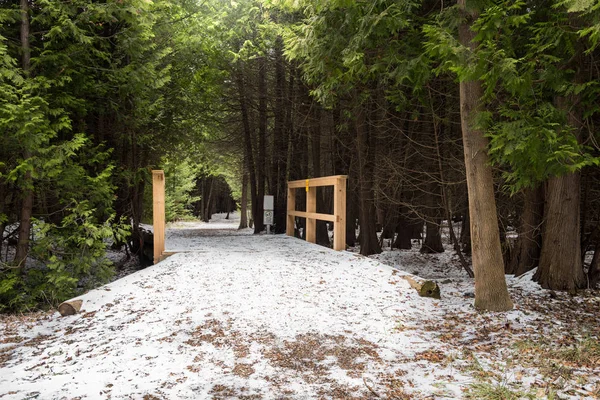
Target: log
(424, 288)
(70, 307)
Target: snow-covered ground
(264, 317)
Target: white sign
(268, 203)
(268, 217)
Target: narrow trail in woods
(254, 316)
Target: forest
(481, 112)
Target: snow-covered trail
(241, 316)
(237, 317)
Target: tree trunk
(261, 164)
(433, 238)
(26, 214)
(465, 233)
(248, 154)
(560, 266)
(594, 270)
(351, 214)
(244, 202)
(526, 253)
(404, 234)
(209, 201)
(280, 141)
(2, 209)
(491, 292)
(322, 235)
(366, 213)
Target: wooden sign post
(339, 208)
(158, 213)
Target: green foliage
(67, 259)
(180, 181)
(529, 61)
(67, 255)
(537, 144)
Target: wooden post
(291, 206)
(158, 213)
(339, 211)
(311, 207)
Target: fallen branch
(370, 385)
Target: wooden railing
(339, 208)
(158, 214)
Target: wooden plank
(339, 211)
(158, 213)
(291, 207)
(314, 182)
(311, 209)
(320, 217)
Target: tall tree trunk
(404, 234)
(491, 292)
(526, 253)
(594, 270)
(248, 153)
(561, 266)
(244, 201)
(433, 238)
(27, 205)
(322, 235)
(366, 213)
(209, 201)
(280, 141)
(261, 163)
(465, 232)
(2, 210)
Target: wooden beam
(158, 213)
(314, 182)
(291, 207)
(311, 209)
(339, 211)
(320, 217)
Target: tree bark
(491, 292)
(465, 233)
(209, 201)
(244, 201)
(433, 238)
(560, 266)
(368, 234)
(26, 214)
(261, 164)
(248, 153)
(322, 235)
(594, 270)
(280, 141)
(2, 210)
(526, 254)
(404, 235)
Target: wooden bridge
(339, 183)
